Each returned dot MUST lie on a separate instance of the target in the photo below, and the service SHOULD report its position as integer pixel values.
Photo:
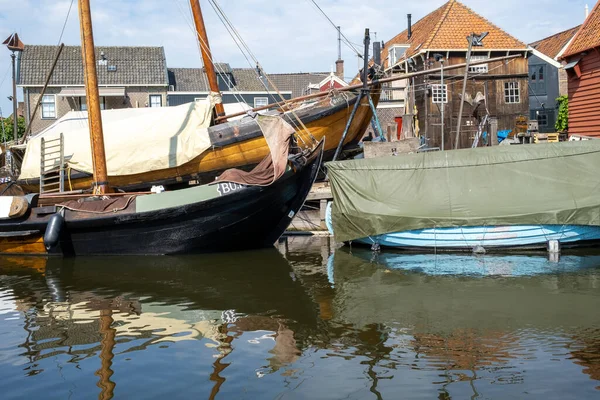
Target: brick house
(127, 77)
(583, 70)
(245, 85)
(547, 78)
(442, 35)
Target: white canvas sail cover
(136, 140)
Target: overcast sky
(285, 35)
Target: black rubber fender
(53, 230)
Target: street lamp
(15, 45)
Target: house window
(439, 94)
(545, 119)
(49, 106)
(480, 68)
(261, 101)
(537, 76)
(511, 93)
(83, 103)
(155, 100)
(542, 119)
(395, 54)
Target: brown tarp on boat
(277, 133)
(103, 205)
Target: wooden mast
(206, 54)
(93, 104)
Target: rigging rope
(65, 24)
(345, 39)
(217, 66)
(220, 11)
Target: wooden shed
(583, 69)
(497, 90)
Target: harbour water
(301, 320)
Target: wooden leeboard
(32, 244)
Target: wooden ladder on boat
(52, 165)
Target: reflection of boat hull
(489, 237)
(503, 237)
(498, 265)
(251, 217)
(240, 144)
(366, 293)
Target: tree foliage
(8, 128)
(562, 120)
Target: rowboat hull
(251, 217)
(240, 144)
(499, 237)
(467, 238)
(512, 265)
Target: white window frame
(83, 103)
(393, 56)
(512, 92)
(439, 95)
(150, 97)
(480, 68)
(53, 102)
(264, 100)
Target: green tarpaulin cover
(557, 183)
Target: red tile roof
(588, 36)
(447, 28)
(552, 45)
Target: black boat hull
(254, 217)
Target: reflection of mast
(107, 346)
(217, 366)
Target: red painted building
(583, 69)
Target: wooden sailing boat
(238, 143)
(241, 210)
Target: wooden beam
(93, 99)
(282, 104)
(39, 101)
(207, 55)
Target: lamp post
(15, 45)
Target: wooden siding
(584, 97)
(491, 83)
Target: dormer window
(396, 52)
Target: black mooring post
(364, 91)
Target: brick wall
(135, 97)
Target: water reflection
(308, 320)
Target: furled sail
(137, 140)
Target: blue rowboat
(487, 237)
(507, 265)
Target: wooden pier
(311, 219)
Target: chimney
(377, 52)
(339, 69)
(409, 25)
(587, 11)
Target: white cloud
(286, 36)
